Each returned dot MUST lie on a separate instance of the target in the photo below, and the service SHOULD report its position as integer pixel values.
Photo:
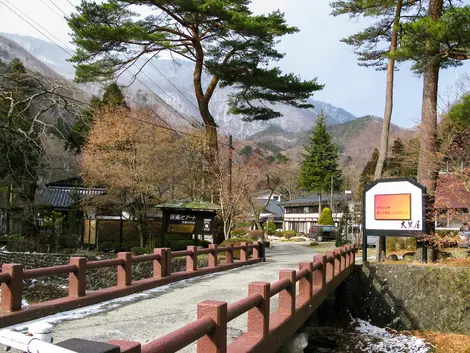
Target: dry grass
(446, 342)
(450, 262)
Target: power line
(17, 14)
(181, 92)
(38, 24)
(155, 113)
(53, 3)
(50, 8)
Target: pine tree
(396, 159)
(320, 162)
(344, 223)
(77, 134)
(367, 175)
(441, 39)
(376, 45)
(326, 217)
(222, 38)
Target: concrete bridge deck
(174, 306)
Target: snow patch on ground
(108, 305)
(380, 340)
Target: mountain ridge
(171, 87)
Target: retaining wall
(411, 297)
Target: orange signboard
(392, 207)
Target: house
(273, 211)
(452, 201)
(300, 214)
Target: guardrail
(13, 275)
(266, 333)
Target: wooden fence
(13, 275)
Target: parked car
(371, 241)
(322, 233)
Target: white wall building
(300, 214)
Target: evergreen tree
(376, 45)
(77, 134)
(223, 38)
(367, 175)
(344, 223)
(440, 39)
(326, 217)
(269, 227)
(320, 162)
(396, 159)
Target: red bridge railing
(13, 275)
(265, 333)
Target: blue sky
(314, 52)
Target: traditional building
(452, 201)
(273, 210)
(300, 214)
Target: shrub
(128, 246)
(177, 245)
(400, 243)
(269, 227)
(204, 243)
(236, 253)
(137, 250)
(278, 234)
(289, 234)
(105, 246)
(236, 240)
(256, 234)
(326, 217)
(239, 232)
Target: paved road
(163, 312)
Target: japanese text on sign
(392, 207)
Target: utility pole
(230, 161)
(331, 195)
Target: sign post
(393, 207)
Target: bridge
(219, 326)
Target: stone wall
(52, 287)
(35, 260)
(411, 297)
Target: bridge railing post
(343, 258)
(258, 317)
(337, 261)
(229, 254)
(191, 260)
(77, 280)
(127, 346)
(306, 283)
(213, 255)
(349, 255)
(256, 251)
(160, 268)
(12, 291)
(287, 296)
(125, 271)
(244, 254)
(319, 276)
(216, 341)
(330, 265)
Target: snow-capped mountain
(171, 82)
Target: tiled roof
(273, 207)
(194, 205)
(451, 192)
(63, 197)
(306, 201)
